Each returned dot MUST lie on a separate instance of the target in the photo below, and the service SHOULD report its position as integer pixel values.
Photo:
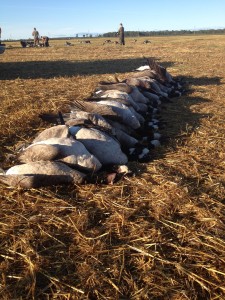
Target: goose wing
(93, 107)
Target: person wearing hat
(121, 35)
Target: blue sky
(69, 17)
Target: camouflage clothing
(121, 35)
(35, 34)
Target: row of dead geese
(118, 123)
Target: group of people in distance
(43, 43)
(45, 39)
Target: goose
(147, 83)
(66, 150)
(161, 72)
(41, 173)
(131, 146)
(115, 95)
(138, 96)
(151, 96)
(126, 101)
(122, 114)
(155, 71)
(138, 82)
(140, 118)
(112, 94)
(119, 86)
(157, 87)
(106, 148)
(121, 126)
(137, 134)
(126, 141)
(142, 108)
(133, 114)
(78, 117)
(146, 72)
(111, 129)
(60, 131)
(164, 88)
(89, 119)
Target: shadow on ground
(203, 81)
(51, 69)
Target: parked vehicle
(2, 48)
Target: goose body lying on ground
(126, 141)
(119, 86)
(131, 146)
(95, 120)
(74, 118)
(38, 152)
(146, 72)
(41, 173)
(114, 95)
(118, 96)
(126, 101)
(115, 125)
(59, 131)
(96, 108)
(140, 82)
(101, 145)
(162, 74)
(67, 150)
(113, 112)
(140, 118)
(137, 96)
(156, 87)
(130, 115)
(147, 83)
(151, 96)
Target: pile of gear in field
(118, 124)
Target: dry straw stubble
(158, 235)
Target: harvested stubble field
(157, 235)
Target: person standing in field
(35, 34)
(121, 35)
(0, 34)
